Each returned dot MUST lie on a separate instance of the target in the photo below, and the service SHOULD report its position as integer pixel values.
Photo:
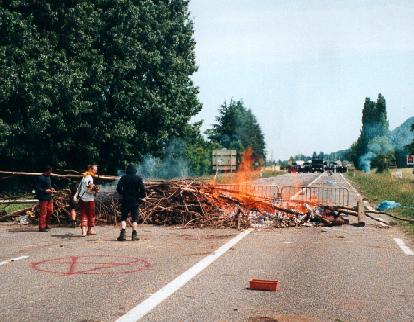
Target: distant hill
(402, 135)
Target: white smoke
(173, 165)
(378, 146)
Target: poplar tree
(373, 145)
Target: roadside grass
(272, 173)
(396, 185)
(9, 208)
(229, 178)
(12, 208)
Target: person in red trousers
(44, 192)
(87, 195)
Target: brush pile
(200, 204)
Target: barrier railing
(323, 195)
(270, 192)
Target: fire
(241, 187)
(246, 173)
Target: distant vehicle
(318, 165)
(307, 167)
(292, 169)
(336, 167)
(342, 169)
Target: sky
(304, 67)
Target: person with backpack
(132, 190)
(87, 193)
(44, 192)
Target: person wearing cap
(132, 190)
(44, 192)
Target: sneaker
(43, 230)
(135, 235)
(122, 235)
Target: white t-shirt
(84, 194)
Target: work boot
(122, 235)
(135, 235)
(72, 223)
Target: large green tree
(373, 146)
(104, 81)
(237, 128)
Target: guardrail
(270, 192)
(324, 195)
(17, 201)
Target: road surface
(344, 273)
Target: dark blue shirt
(43, 182)
(131, 188)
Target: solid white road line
(146, 306)
(349, 184)
(406, 250)
(301, 190)
(13, 260)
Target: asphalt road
(326, 274)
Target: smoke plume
(378, 146)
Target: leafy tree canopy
(93, 81)
(237, 128)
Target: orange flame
(246, 172)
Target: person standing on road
(73, 188)
(44, 192)
(87, 195)
(131, 188)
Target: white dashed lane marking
(13, 260)
(150, 303)
(303, 189)
(406, 250)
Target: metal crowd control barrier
(323, 195)
(270, 192)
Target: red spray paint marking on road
(91, 265)
(74, 259)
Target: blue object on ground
(387, 204)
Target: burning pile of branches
(192, 203)
(200, 204)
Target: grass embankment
(229, 178)
(12, 208)
(377, 187)
(272, 173)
